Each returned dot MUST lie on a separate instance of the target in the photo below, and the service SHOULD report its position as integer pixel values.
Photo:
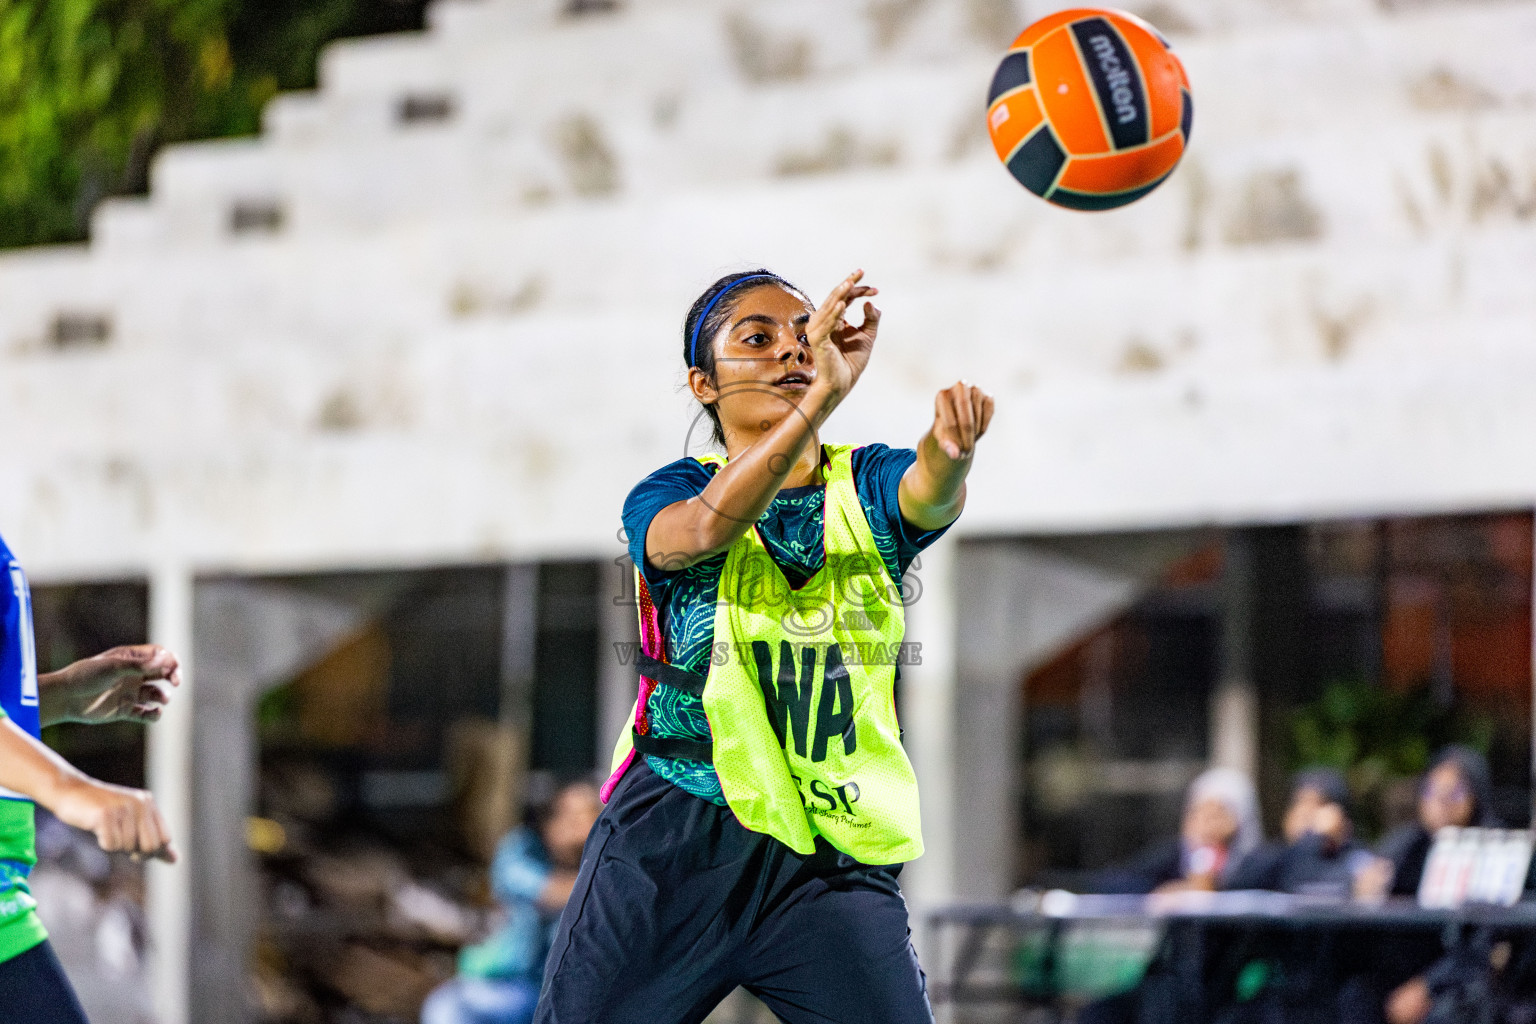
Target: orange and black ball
(1090, 109)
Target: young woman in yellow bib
(761, 804)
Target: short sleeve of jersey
(677, 481)
(877, 473)
(18, 653)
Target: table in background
(1055, 912)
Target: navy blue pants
(676, 904)
(34, 990)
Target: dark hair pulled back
(719, 294)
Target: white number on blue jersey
(28, 641)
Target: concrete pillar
(987, 719)
(519, 657)
(618, 632)
(519, 648)
(927, 716)
(1023, 602)
(986, 612)
(1234, 728)
(247, 637)
(170, 777)
(224, 794)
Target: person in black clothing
(1457, 791)
(1318, 853)
(1399, 988)
(1297, 974)
(1515, 986)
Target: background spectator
(532, 877)
(1317, 854)
(1455, 792)
(1219, 830)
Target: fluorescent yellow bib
(799, 694)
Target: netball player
(761, 804)
(123, 684)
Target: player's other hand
(123, 684)
(123, 820)
(961, 414)
(841, 351)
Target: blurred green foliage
(1379, 737)
(278, 709)
(90, 89)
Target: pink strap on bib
(651, 643)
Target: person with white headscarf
(1220, 827)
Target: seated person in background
(532, 876)
(1318, 855)
(1220, 829)
(1456, 791)
(1515, 980)
(1289, 975)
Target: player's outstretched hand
(840, 349)
(961, 414)
(123, 684)
(123, 820)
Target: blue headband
(698, 325)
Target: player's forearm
(699, 528)
(28, 767)
(58, 699)
(932, 491)
(747, 485)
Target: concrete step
(1442, 186)
(1416, 82)
(263, 341)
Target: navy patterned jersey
(792, 532)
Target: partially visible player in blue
(531, 877)
(123, 684)
(677, 903)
